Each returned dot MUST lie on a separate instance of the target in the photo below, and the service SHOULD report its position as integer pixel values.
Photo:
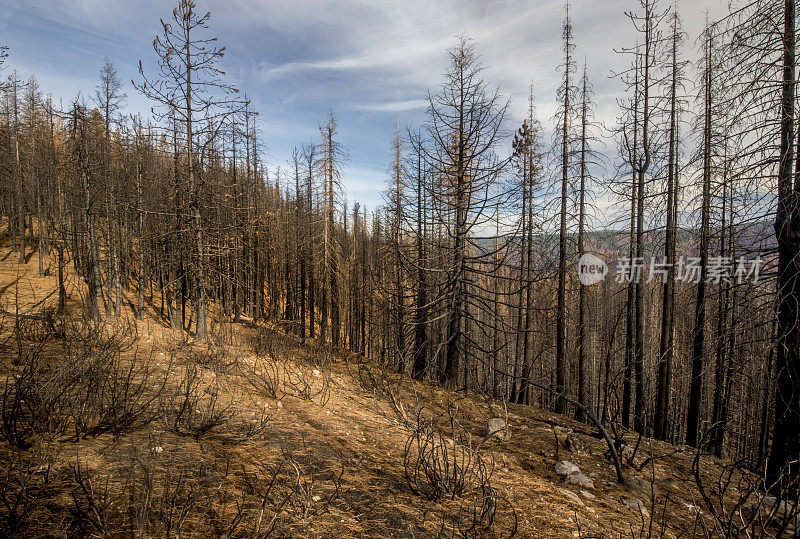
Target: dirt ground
(331, 440)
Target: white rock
(565, 468)
(636, 505)
(497, 427)
(571, 495)
(580, 480)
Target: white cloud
(393, 106)
(369, 60)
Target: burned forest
(440, 276)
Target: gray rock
(586, 494)
(497, 427)
(766, 506)
(579, 480)
(565, 468)
(642, 488)
(572, 475)
(571, 495)
(636, 505)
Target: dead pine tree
(566, 96)
(588, 160)
(309, 154)
(417, 172)
(667, 342)
(184, 89)
(699, 334)
(300, 240)
(528, 156)
(463, 131)
(395, 214)
(332, 156)
(639, 150)
(783, 468)
(18, 181)
(140, 216)
(82, 167)
(109, 98)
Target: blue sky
(370, 61)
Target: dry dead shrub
(264, 375)
(310, 379)
(157, 495)
(118, 395)
(740, 503)
(24, 479)
(195, 408)
(35, 401)
(282, 368)
(153, 496)
(215, 357)
(439, 464)
(83, 385)
(287, 491)
(446, 465)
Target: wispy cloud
(371, 61)
(393, 106)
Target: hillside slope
(131, 428)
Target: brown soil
(345, 451)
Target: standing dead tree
(463, 130)
(183, 90)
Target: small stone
(586, 494)
(580, 480)
(316, 499)
(571, 495)
(316, 373)
(636, 505)
(766, 505)
(279, 405)
(565, 468)
(497, 427)
(641, 487)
